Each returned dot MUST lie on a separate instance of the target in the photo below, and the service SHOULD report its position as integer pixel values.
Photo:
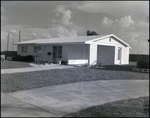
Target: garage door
(105, 55)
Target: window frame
(24, 48)
(37, 48)
(58, 51)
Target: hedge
(143, 64)
(28, 58)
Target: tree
(90, 33)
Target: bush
(28, 58)
(9, 53)
(143, 64)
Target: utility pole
(12, 43)
(7, 41)
(19, 35)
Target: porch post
(92, 54)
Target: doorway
(119, 55)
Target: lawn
(14, 64)
(28, 80)
(133, 107)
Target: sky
(128, 20)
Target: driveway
(62, 99)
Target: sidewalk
(59, 100)
(34, 68)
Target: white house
(104, 49)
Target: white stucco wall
(124, 55)
(84, 53)
(30, 50)
(108, 42)
(105, 54)
(73, 53)
(93, 54)
(116, 44)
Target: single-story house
(104, 49)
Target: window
(57, 51)
(37, 48)
(24, 49)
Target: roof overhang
(39, 42)
(111, 35)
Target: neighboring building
(104, 49)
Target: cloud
(4, 35)
(63, 26)
(107, 22)
(142, 24)
(46, 35)
(3, 17)
(13, 32)
(66, 15)
(135, 33)
(61, 31)
(34, 35)
(123, 23)
(137, 41)
(114, 7)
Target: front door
(119, 55)
(57, 53)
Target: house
(104, 49)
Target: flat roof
(61, 40)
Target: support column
(92, 54)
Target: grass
(119, 67)
(14, 64)
(28, 80)
(133, 107)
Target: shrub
(28, 58)
(85, 65)
(143, 64)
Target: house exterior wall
(112, 42)
(30, 50)
(93, 54)
(105, 55)
(124, 55)
(103, 51)
(43, 54)
(73, 53)
(49, 48)
(108, 42)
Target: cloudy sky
(129, 20)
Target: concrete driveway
(62, 99)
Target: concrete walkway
(59, 100)
(13, 107)
(34, 68)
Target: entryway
(119, 55)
